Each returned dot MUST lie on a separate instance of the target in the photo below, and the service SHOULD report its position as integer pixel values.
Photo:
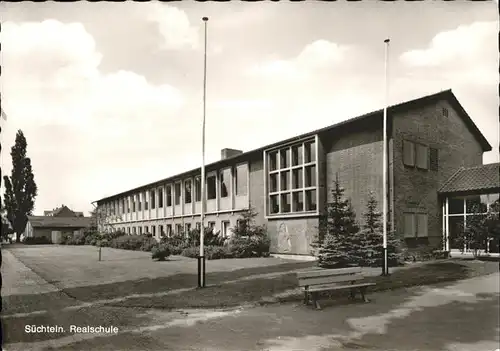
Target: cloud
(174, 26)
(318, 55)
(53, 89)
(467, 50)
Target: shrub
(191, 252)
(148, 243)
(103, 243)
(176, 243)
(160, 252)
(40, 240)
(248, 239)
(128, 242)
(110, 236)
(76, 239)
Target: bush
(76, 239)
(253, 246)
(37, 240)
(148, 243)
(176, 244)
(103, 243)
(191, 252)
(160, 252)
(212, 252)
(128, 242)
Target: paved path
(461, 316)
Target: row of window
(473, 204)
(232, 178)
(177, 229)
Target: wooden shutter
(408, 153)
(421, 225)
(409, 219)
(422, 158)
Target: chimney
(228, 153)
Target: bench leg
(306, 297)
(362, 290)
(315, 301)
(352, 294)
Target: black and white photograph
(250, 176)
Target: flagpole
(201, 258)
(385, 267)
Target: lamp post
(201, 257)
(385, 266)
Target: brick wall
(356, 155)
(456, 147)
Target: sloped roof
(401, 107)
(59, 222)
(478, 178)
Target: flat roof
(445, 94)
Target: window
(297, 155)
(152, 197)
(146, 200)
(310, 176)
(415, 225)
(311, 204)
(417, 155)
(292, 184)
(161, 230)
(211, 225)
(273, 161)
(433, 159)
(298, 201)
(160, 198)
(140, 230)
(128, 205)
(169, 230)
(169, 195)
(211, 187)
(242, 225)
(128, 230)
(139, 203)
(153, 230)
(134, 230)
(473, 204)
(133, 203)
(456, 206)
(285, 203)
(240, 182)
(187, 228)
(178, 229)
(225, 228)
(187, 191)
(198, 226)
(445, 112)
(197, 189)
(224, 179)
(177, 193)
(285, 158)
(310, 152)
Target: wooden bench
(318, 280)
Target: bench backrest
(328, 276)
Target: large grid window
(292, 179)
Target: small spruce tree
(338, 230)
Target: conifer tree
(340, 244)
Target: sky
(109, 95)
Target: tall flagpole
(201, 258)
(385, 268)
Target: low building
(56, 223)
(289, 183)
